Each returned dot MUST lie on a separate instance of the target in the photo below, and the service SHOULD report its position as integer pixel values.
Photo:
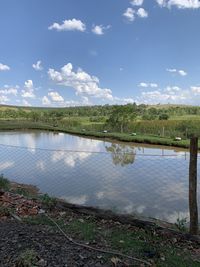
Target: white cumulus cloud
(3, 99)
(137, 2)
(100, 29)
(9, 90)
(69, 25)
(28, 84)
(82, 82)
(181, 4)
(38, 65)
(172, 94)
(172, 89)
(171, 70)
(163, 97)
(180, 72)
(142, 13)
(55, 96)
(46, 101)
(146, 85)
(129, 14)
(4, 67)
(28, 91)
(26, 103)
(195, 90)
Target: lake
(125, 177)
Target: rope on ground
(96, 249)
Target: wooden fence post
(193, 186)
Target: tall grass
(4, 183)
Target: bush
(4, 183)
(163, 116)
(48, 201)
(28, 258)
(149, 117)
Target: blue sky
(86, 52)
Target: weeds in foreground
(4, 183)
(49, 202)
(131, 241)
(28, 258)
(181, 224)
(23, 191)
(85, 230)
(4, 211)
(38, 220)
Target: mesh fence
(119, 178)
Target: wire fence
(119, 177)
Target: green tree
(121, 117)
(163, 116)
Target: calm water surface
(129, 178)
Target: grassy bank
(144, 244)
(147, 139)
(149, 243)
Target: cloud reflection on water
(78, 200)
(6, 165)
(71, 158)
(118, 177)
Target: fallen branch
(96, 249)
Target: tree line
(119, 118)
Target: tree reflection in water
(121, 154)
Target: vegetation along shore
(160, 125)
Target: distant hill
(158, 106)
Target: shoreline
(39, 224)
(28, 192)
(127, 138)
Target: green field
(152, 124)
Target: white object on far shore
(134, 134)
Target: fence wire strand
(93, 152)
(117, 178)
